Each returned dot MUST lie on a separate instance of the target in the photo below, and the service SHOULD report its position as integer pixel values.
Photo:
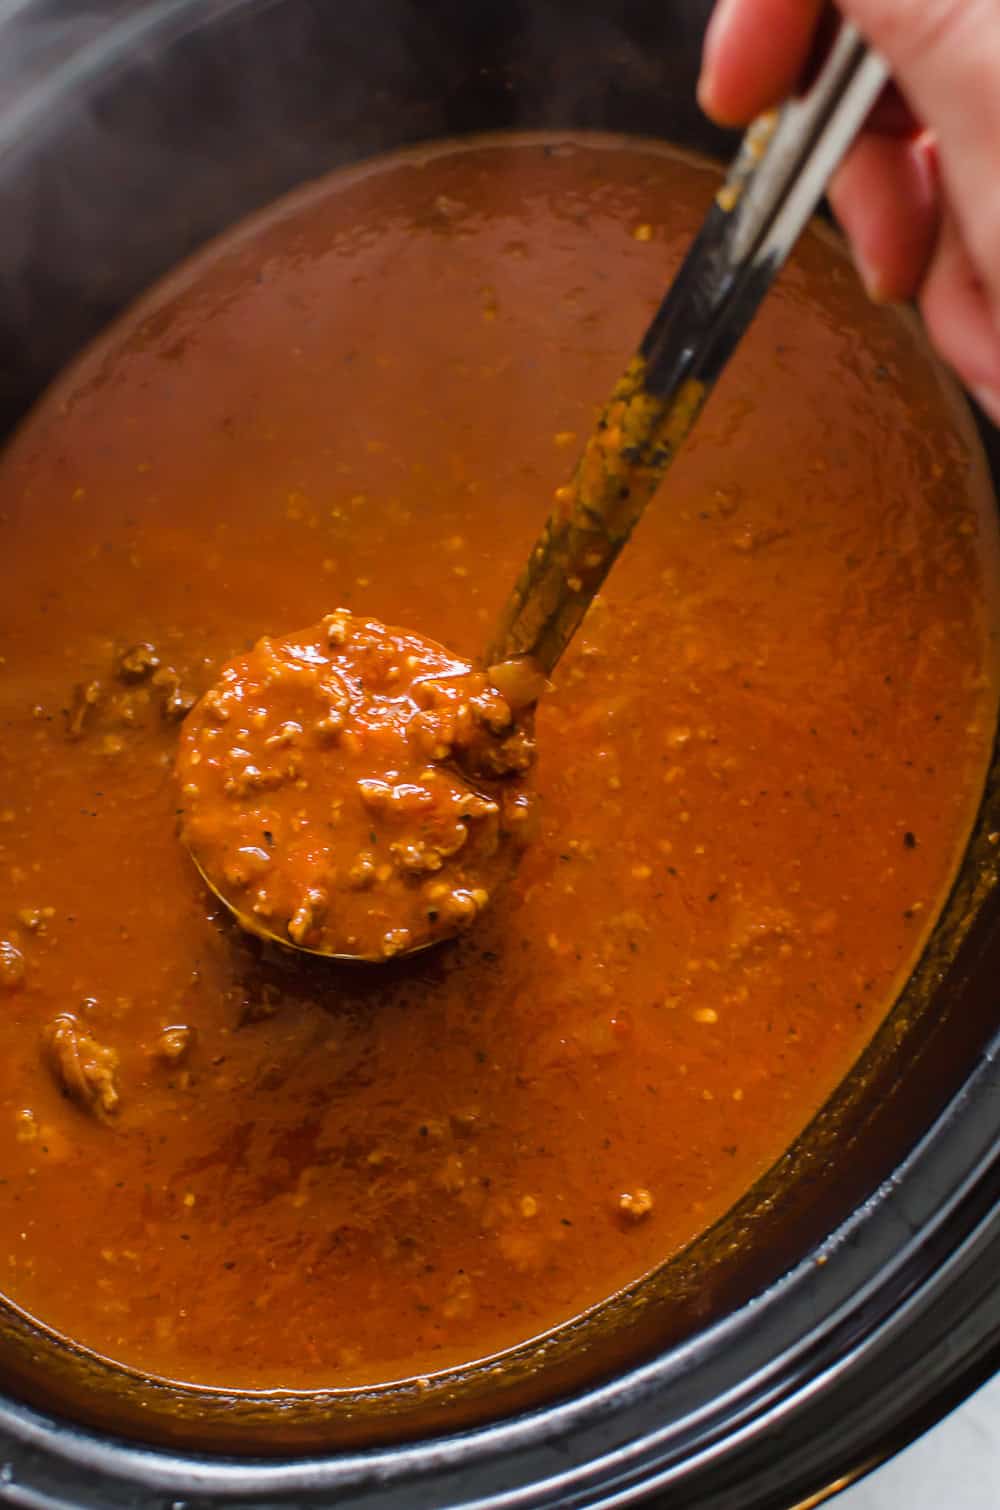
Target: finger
(947, 54)
(754, 54)
(956, 310)
(885, 198)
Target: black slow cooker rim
(859, 1347)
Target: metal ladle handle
(781, 171)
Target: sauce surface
(756, 771)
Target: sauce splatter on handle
(624, 461)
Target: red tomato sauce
(756, 770)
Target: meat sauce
(756, 770)
(355, 790)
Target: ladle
(774, 185)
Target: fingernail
(709, 49)
(871, 277)
(704, 90)
(988, 400)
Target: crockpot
(851, 1297)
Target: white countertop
(956, 1466)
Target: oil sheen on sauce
(757, 771)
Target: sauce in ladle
(356, 790)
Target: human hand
(919, 194)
